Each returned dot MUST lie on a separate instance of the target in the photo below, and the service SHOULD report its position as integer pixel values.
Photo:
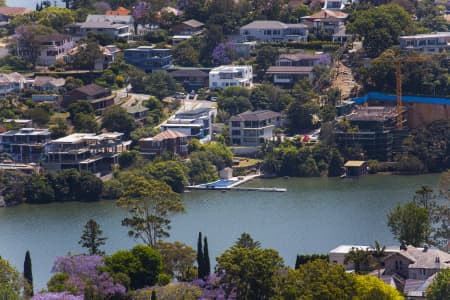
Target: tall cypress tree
(28, 274)
(207, 265)
(153, 295)
(200, 257)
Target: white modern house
(273, 31)
(252, 128)
(226, 76)
(427, 43)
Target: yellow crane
(390, 57)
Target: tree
(200, 169)
(250, 273)
(317, 279)
(409, 223)
(369, 287)
(10, 279)
(200, 257)
(265, 58)
(80, 107)
(85, 123)
(246, 241)
(380, 27)
(87, 55)
(300, 115)
(84, 275)
(185, 55)
(92, 238)
(28, 275)
(39, 115)
(89, 187)
(140, 265)
(177, 259)
(159, 84)
(171, 172)
(55, 17)
(359, 258)
(336, 164)
(59, 129)
(206, 262)
(440, 286)
(117, 119)
(149, 204)
(378, 253)
(39, 190)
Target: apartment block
(148, 58)
(25, 145)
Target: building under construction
(374, 128)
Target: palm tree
(359, 257)
(378, 253)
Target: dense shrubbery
(66, 185)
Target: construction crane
(390, 57)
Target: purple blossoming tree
(83, 271)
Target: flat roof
(427, 35)
(74, 138)
(354, 163)
(344, 249)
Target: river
(313, 216)
(31, 4)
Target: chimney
(403, 246)
(425, 248)
(437, 259)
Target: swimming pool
(222, 183)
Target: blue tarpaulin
(411, 99)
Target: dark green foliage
(306, 258)
(171, 172)
(200, 257)
(92, 238)
(380, 27)
(141, 265)
(159, 84)
(265, 58)
(85, 123)
(127, 158)
(409, 223)
(234, 100)
(440, 287)
(153, 295)
(80, 107)
(206, 262)
(246, 241)
(359, 258)
(300, 116)
(431, 145)
(117, 119)
(28, 275)
(89, 187)
(40, 115)
(87, 55)
(39, 190)
(336, 164)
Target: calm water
(313, 216)
(31, 4)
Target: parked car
(192, 95)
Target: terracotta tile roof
(165, 135)
(120, 11)
(11, 11)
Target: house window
(235, 132)
(235, 124)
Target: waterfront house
(252, 128)
(301, 59)
(25, 144)
(355, 168)
(85, 151)
(148, 58)
(427, 43)
(226, 76)
(194, 123)
(413, 267)
(169, 140)
(11, 83)
(191, 79)
(100, 97)
(189, 27)
(273, 31)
